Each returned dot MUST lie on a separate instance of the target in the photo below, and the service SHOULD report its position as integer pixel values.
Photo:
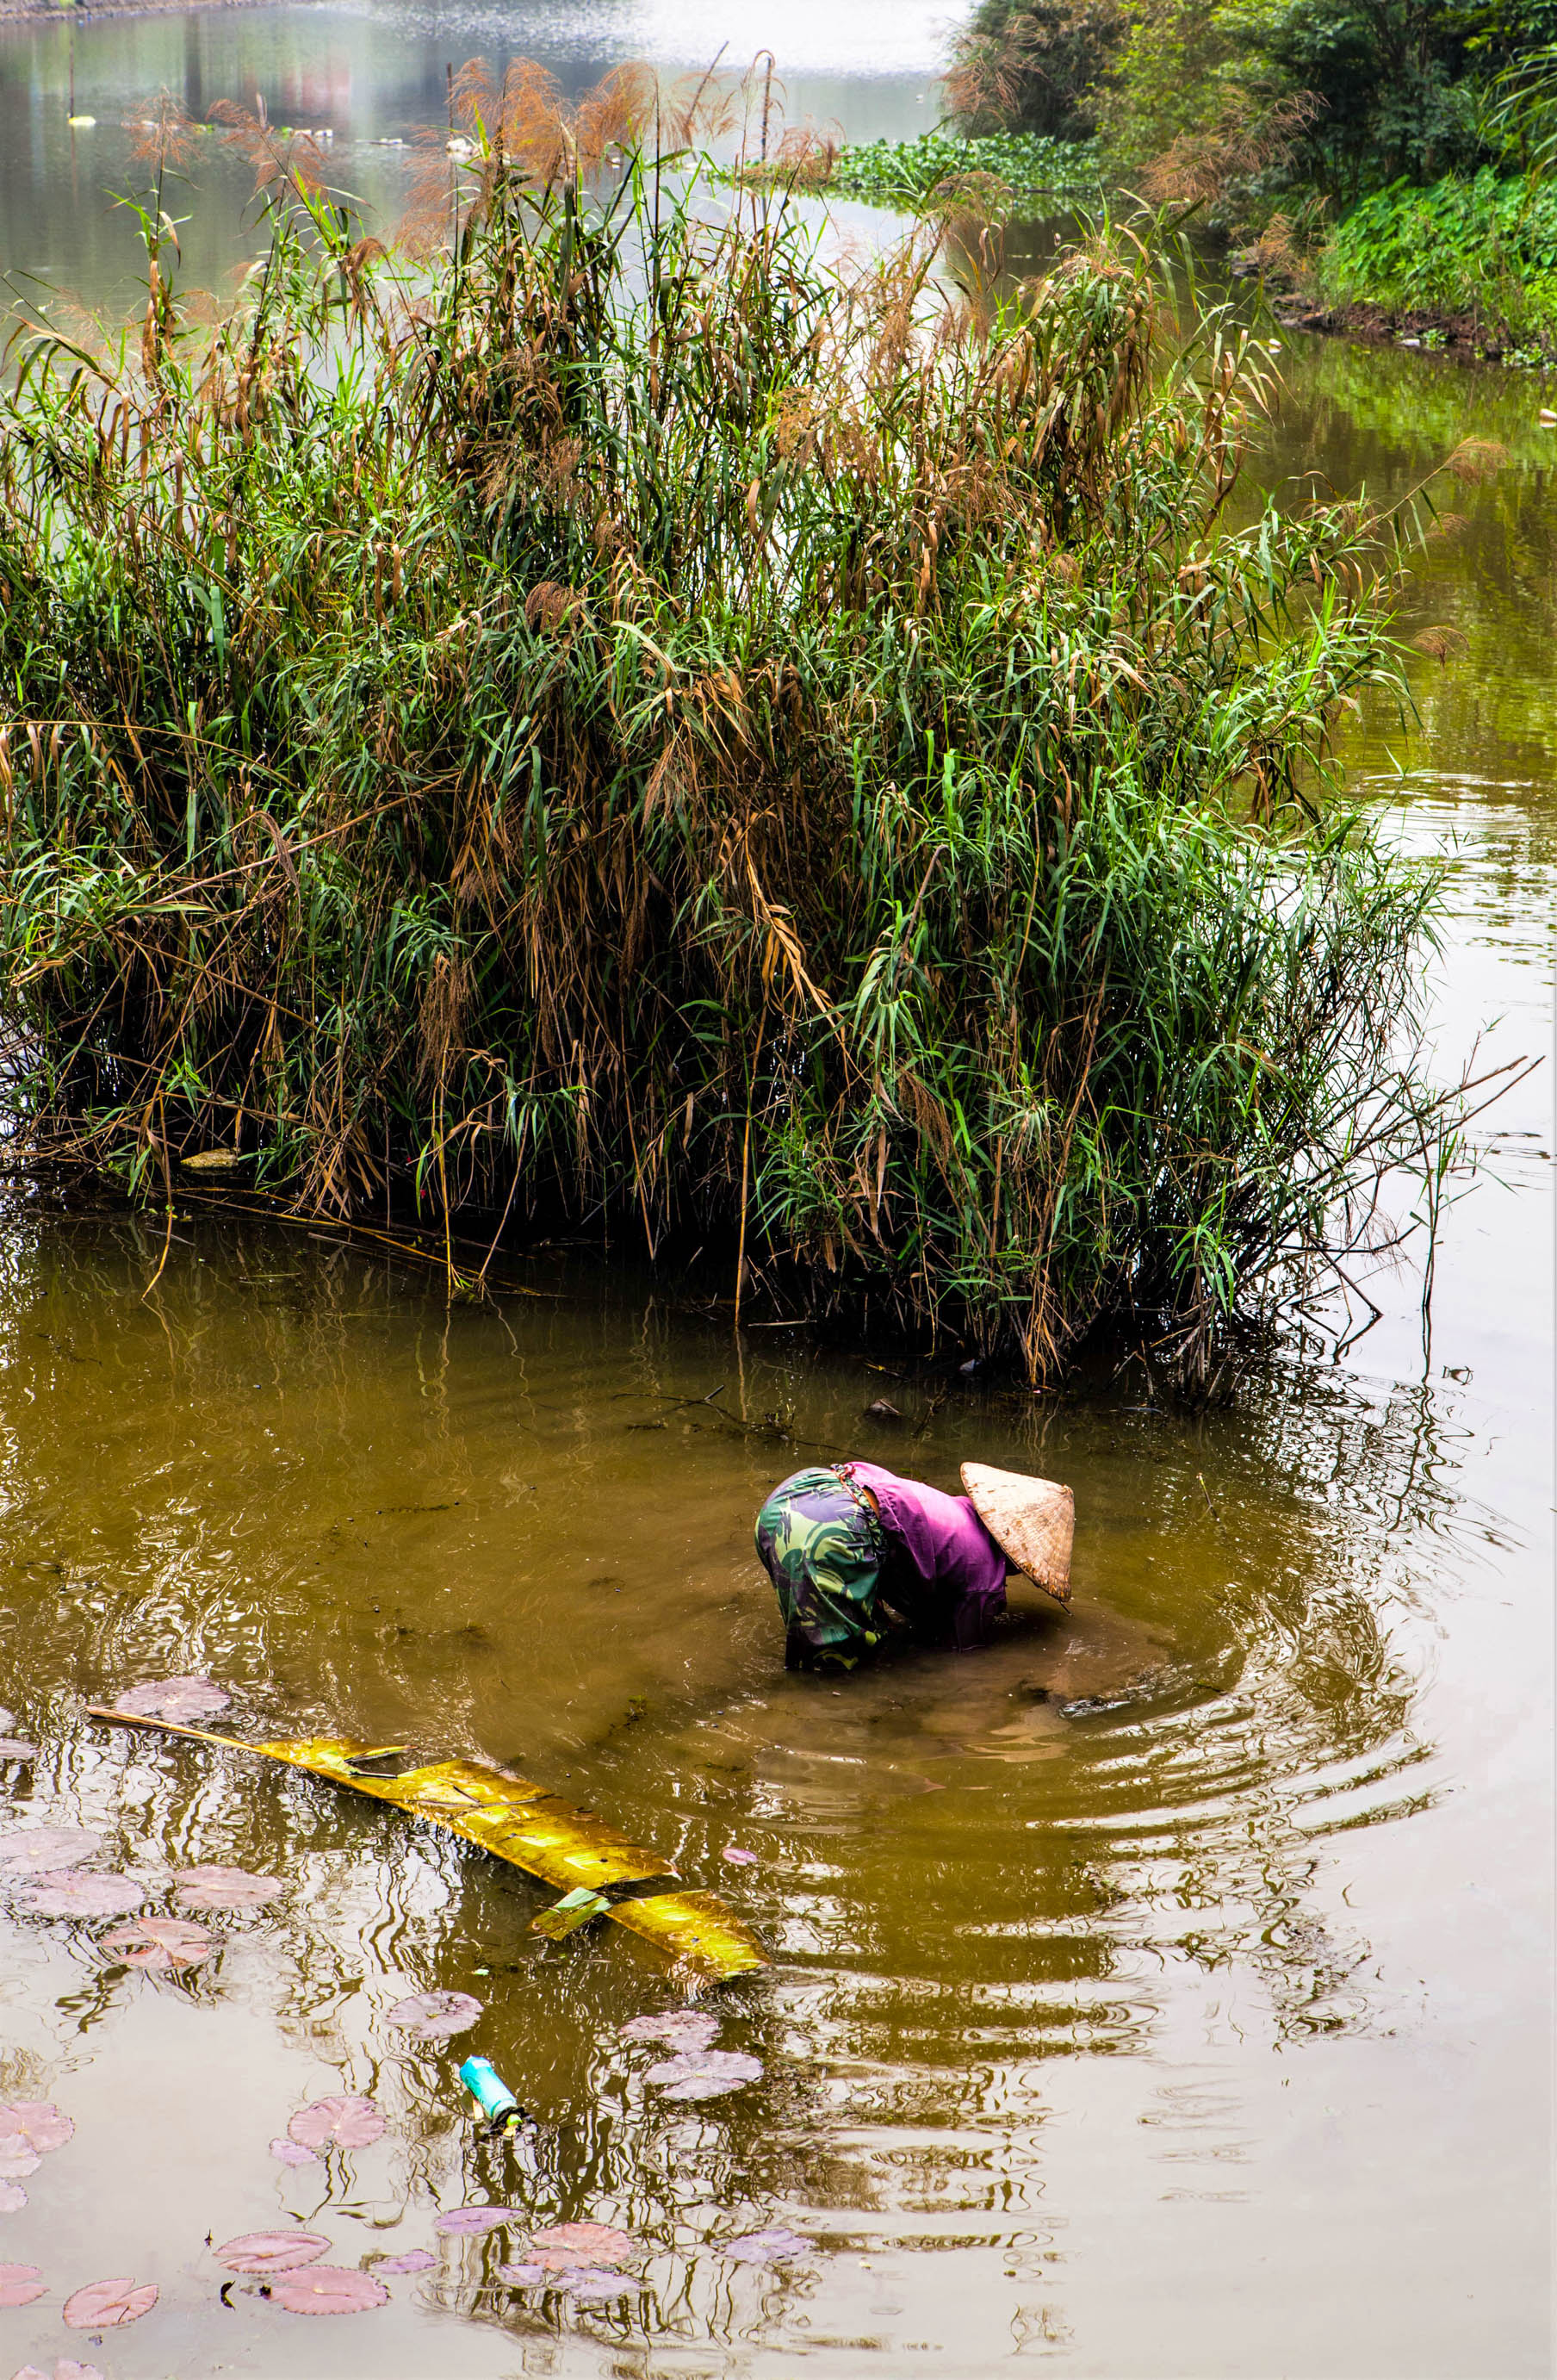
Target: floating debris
(106, 2305)
(587, 2243)
(47, 1847)
(181, 1699)
(490, 2093)
(348, 2122)
(774, 2246)
(213, 1160)
(575, 1909)
(67, 1892)
(271, 2252)
(328, 2288)
(435, 2016)
(415, 2260)
(19, 2284)
(160, 1944)
(287, 2151)
(225, 1887)
(472, 2221)
(705, 2073)
(677, 2028)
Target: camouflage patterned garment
(822, 1546)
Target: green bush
(1483, 246)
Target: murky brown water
(1163, 1992)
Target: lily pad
(415, 2260)
(47, 1847)
(13, 1748)
(328, 2288)
(37, 2123)
(225, 1887)
(524, 2276)
(435, 2016)
(588, 2281)
(67, 1892)
(19, 2284)
(336, 2123)
(287, 2151)
(705, 2073)
(775, 2246)
(271, 2252)
(66, 2370)
(185, 1701)
(677, 2028)
(105, 2305)
(737, 1857)
(13, 2198)
(160, 1943)
(16, 2162)
(472, 2220)
(590, 2243)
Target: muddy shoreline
(1465, 337)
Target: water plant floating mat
(531, 1829)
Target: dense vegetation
(616, 718)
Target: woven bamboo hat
(1033, 1522)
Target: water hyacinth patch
(415, 2260)
(107, 2305)
(347, 2122)
(704, 2074)
(774, 2246)
(287, 2151)
(435, 2016)
(677, 2028)
(271, 2252)
(587, 2243)
(471, 2221)
(47, 1847)
(213, 1887)
(19, 2284)
(328, 2288)
(160, 1944)
(67, 1892)
(184, 1701)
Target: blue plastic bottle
(491, 2095)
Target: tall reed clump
(616, 717)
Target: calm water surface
(1163, 1992)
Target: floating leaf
(705, 2073)
(524, 2276)
(19, 2284)
(66, 2370)
(287, 2151)
(38, 2123)
(13, 2198)
(565, 1916)
(70, 1893)
(47, 1847)
(336, 2123)
(415, 2260)
(328, 2288)
(695, 1926)
(775, 2246)
(737, 1857)
(435, 2016)
(472, 2219)
(225, 1887)
(159, 1943)
(16, 2163)
(12, 1748)
(104, 2305)
(269, 2252)
(590, 2243)
(185, 1701)
(586, 2281)
(677, 2028)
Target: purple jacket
(945, 1544)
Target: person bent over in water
(854, 1552)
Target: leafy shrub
(1483, 246)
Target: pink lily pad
(705, 2073)
(472, 2219)
(183, 1700)
(586, 2281)
(46, 1847)
(19, 2284)
(737, 1857)
(774, 2246)
(589, 2243)
(328, 2288)
(271, 2252)
(66, 2370)
(677, 2028)
(225, 1887)
(18, 2161)
(336, 2123)
(67, 1892)
(104, 2305)
(37, 2123)
(287, 2151)
(13, 2198)
(524, 2276)
(159, 1943)
(435, 2016)
(13, 1748)
(415, 2260)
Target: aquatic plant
(1032, 174)
(608, 715)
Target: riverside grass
(614, 717)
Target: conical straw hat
(1033, 1522)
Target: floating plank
(520, 1822)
